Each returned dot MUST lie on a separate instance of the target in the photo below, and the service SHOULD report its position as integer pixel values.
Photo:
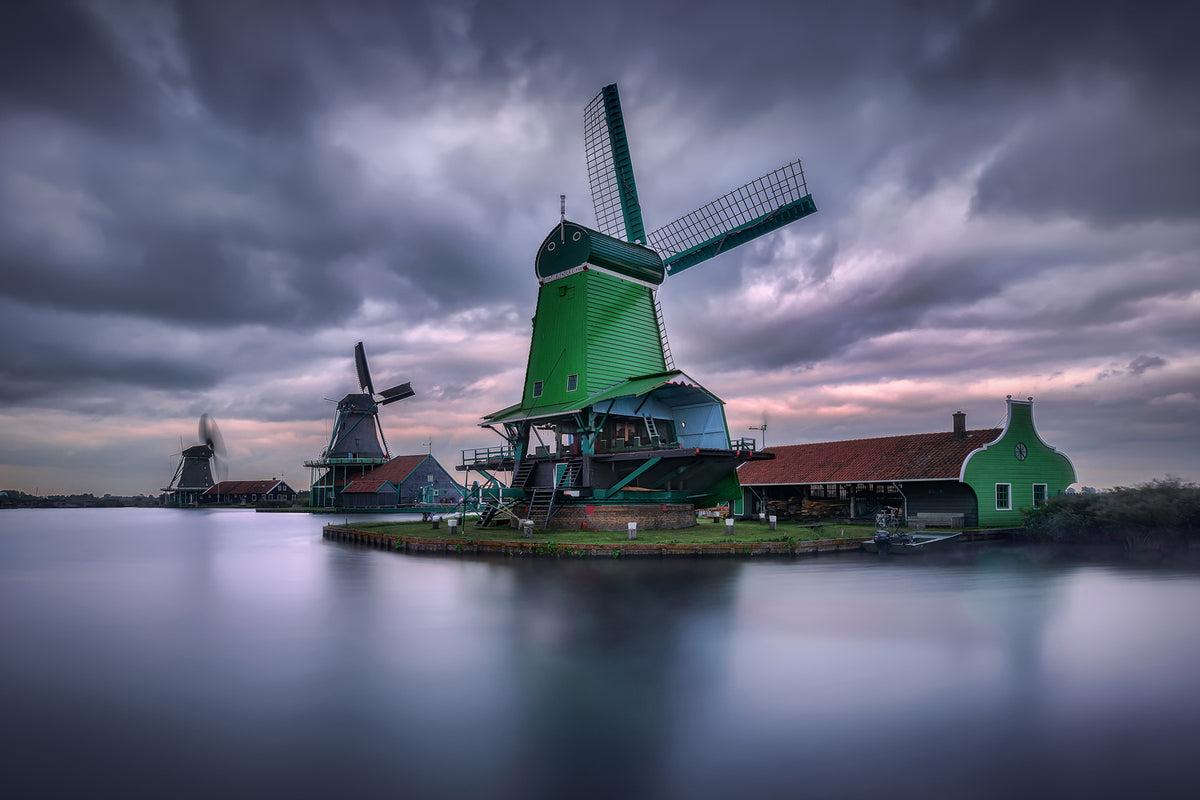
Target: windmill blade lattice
(610, 169)
(761, 206)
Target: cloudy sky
(206, 204)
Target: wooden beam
(621, 484)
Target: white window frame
(573, 382)
(537, 388)
(1045, 494)
(1008, 497)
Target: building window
(572, 382)
(537, 388)
(1039, 494)
(1004, 497)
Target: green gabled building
(1015, 471)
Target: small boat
(905, 543)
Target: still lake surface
(167, 653)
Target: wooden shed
(273, 490)
(414, 479)
(369, 493)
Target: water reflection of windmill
(624, 426)
(200, 466)
(357, 444)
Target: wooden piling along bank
(418, 544)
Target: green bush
(1167, 505)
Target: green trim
(635, 231)
(570, 246)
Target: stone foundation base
(597, 517)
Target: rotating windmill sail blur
(200, 465)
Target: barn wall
(943, 497)
(449, 490)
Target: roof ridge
(997, 429)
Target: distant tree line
(1163, 507)
(14, 498)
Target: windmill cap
(570, 245)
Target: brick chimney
(960, 425)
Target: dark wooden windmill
(200, 466)
(357, 444)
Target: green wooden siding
(998, 463)
(622, 331)
(594, 325)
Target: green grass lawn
(744, 531)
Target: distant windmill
(356, 431)
(357, 443)
(623, 425)
(201, 465)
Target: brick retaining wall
(600, 517)
(420, 544)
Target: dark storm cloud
(70, 361)
(1112, 129)
(54, 59)
(206, 203)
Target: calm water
(223, 653)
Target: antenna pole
(762, 428)
(562, 218)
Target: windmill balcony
(636, 443)
(488, 458)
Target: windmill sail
(396, 393)
(610, 169)
(761, 206)
(360, 364)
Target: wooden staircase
(544, 500)
(570, 475)
(541, 505)
(522, 473)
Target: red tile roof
(368, 486)
(918, 456)
(395, 470)
(248, 487)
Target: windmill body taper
(604, 417)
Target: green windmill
(607, 429)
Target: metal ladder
(662, 335)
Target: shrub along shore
(1166, 511)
